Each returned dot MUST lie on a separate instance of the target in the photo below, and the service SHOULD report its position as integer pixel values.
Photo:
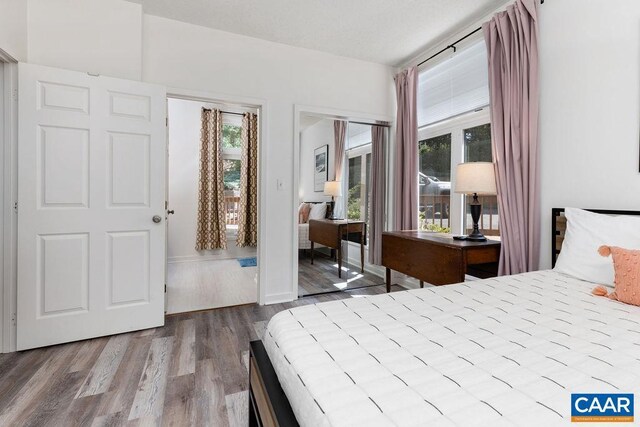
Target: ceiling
(383, 31)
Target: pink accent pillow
(626, 265)
(303, 213)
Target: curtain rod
(228, 112)
(453, 45)
(369, 124)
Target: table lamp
(333, 189)
(475, 178)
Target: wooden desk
(436, 258)
(331, 234)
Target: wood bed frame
(559, 227)
(268, 404)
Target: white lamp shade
(476, 177)
(332, 188)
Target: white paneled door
(91, 195)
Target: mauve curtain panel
(406, 162)
(512, 48)
(378, 189)
(211, 231)
(340, 139)
(248, 210)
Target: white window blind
(359, 134)
(457, 85)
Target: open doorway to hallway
(208, 264)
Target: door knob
(171, 212)
(157, 218)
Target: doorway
(200, 279)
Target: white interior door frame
(263, 134)
(329, 113)
(8, 217)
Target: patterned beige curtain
(248, 215)
(211, 232)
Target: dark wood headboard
(559, 227)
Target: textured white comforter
(505, 351)
(303, 237)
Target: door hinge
(166, 122)
(165, 288)
(14, 321)
(15, 206)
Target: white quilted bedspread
(303, 238)
(504, 351)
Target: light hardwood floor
(192, 371)
(322, 276)
(201, 285)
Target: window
(440, 149)
(477, 148)
(453, 128)
(358, 172)
(231, 175)
(231, 166)
(354, 206)
(231, 135)
(358, 188)
(454, 86)
(434, 183)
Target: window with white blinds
(455, 86)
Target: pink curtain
(512, 47)
(378, 188)
(340, 136)
(406, 162)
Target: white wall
(97, 36)
(313, 137)
(589, 107)
(205, 59)
(114, 38)
(109, 36)
(13, 28)
(184, 155)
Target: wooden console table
(436, 258)
(331, 233)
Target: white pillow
(586, 232)
(318, 211)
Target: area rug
(248, 262)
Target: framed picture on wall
(321, 157)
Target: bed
(499, 351)
(303, 236)
(303, 230)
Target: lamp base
(476, 237)
(476, 209)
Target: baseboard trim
(279, 298)
(189, 258)
(376, 270)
